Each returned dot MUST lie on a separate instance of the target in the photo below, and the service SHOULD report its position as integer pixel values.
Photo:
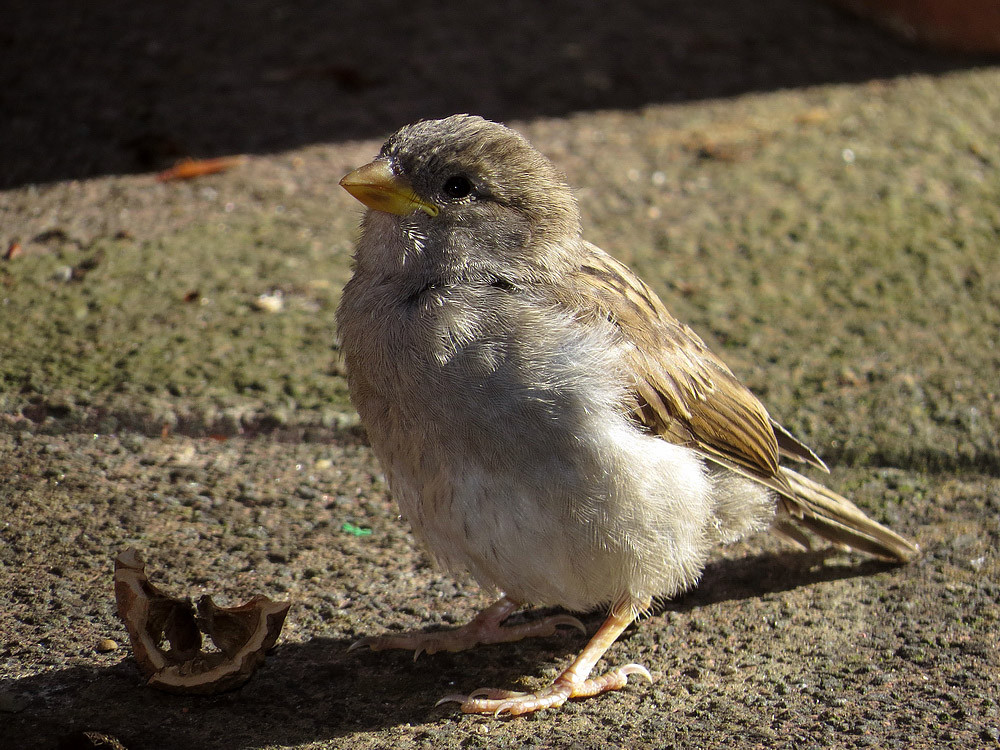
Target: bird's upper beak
(379, 188)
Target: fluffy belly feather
(572, 536)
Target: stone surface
(819, 201)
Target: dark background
(113, 87)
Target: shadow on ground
(315, 691)
(123, 87)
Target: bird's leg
(574, 682)
(484, 628)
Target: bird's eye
(457, 186)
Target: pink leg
(485, 628)
(574, 682)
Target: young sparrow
(542, 420)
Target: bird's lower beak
(377, 187)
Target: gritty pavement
(821, 202)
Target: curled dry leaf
(242, 634)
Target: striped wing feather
(685, 394)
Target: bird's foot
(510, 703)
(485, 628)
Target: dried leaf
(191, 168)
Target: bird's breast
(486, 371)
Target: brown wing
(682, 391)
(687, 395)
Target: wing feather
(685, 394)
(682, 391)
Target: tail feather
(838, 520)
(793, 449)
(782, 526)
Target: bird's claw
(468, 636)
(488, 693)
(630, 669)
(421, 643)
(511, 703)
(569, 621)
(360, 643)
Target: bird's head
(464, 184)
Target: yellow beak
(377, 187)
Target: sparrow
(542, 420)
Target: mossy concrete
(838, 245)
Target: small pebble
(271, 302)
(106, 645)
